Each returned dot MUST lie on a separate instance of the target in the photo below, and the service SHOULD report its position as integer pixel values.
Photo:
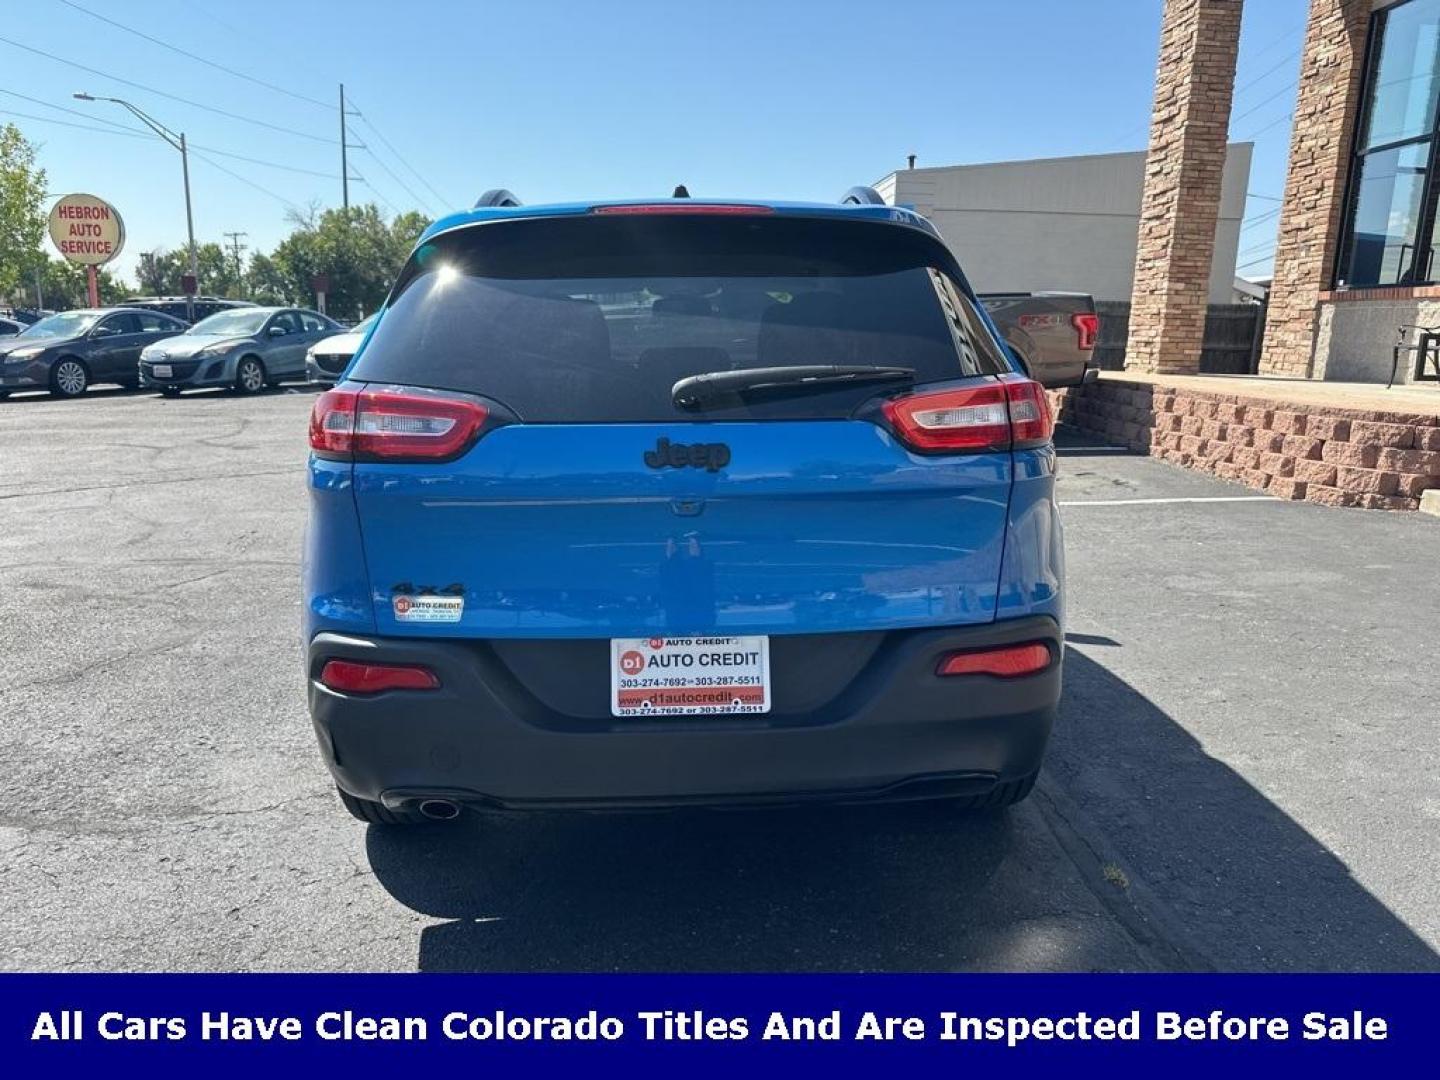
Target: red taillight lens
(991, 416)
(352, 677)
(683, 207)
(1087, 329)
(1030, 421)
(1007, 662)
(332, 423)
(393, 425)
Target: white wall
(1058, 223)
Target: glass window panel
(1407, 74)
(1385, 216)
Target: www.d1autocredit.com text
(696, 1026)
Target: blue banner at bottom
(717, 1024)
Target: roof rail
(497, 197)
(862, 196)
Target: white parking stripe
(1151, 502)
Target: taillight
(683, 207)
(353, 677)
(1030, 422)
(1087, 329)
(393, 425)
(1006, 662)
(1011, 412)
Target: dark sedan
(68, 352)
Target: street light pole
(178, 142)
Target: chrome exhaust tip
(439, 809)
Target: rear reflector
(683, 207)
(393, 425)
(1007, 662)
(350, 677)
(1009, 412)
(1087, 329)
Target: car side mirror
(278, 331)
(103, 331)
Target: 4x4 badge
(667, 455)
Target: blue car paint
(901, 541)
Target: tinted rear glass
(595, 318)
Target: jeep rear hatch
(564, 487)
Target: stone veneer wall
(1180, 203)
(1327, 109)
(1334, 456)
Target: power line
(72, 124)
(73, 112)
(398, 156)
(419, 202)
(1273, 123)
(1287, 88)
(126, 129)
(389, 205)
(165, 94)
(193, 56)
(245, 180)
(1256, 262)
(1238, 90)
(1260, 219)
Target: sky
(562, 99)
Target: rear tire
(249, 375)
(69, 378)
(374, 813)
(1001, 795)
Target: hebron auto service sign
(86, 229)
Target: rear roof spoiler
(497, 197)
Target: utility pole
(344, 161)
(236, 247)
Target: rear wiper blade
(698, 391)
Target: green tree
(22, 197)
(162, 272)
(358, 250)
(63, 286)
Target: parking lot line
(1176, 499)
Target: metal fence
(1232, 337)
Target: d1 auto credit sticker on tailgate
(426, 608)
(689, 676)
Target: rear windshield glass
(595, 318)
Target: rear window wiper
(714, 387)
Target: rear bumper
(896, 731)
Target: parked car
(178, 307)
(68, 352)
(1054, 333)
(10, 327)
(247, 349)
(674, 503)
(327, 359)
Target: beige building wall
(1067, 223)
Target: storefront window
(1392, 203)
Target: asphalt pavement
(1243, 777)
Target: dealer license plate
(162, 371)
(689, 676)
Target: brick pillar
(1327, 108)
(1180, 204)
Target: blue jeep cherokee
(676, 502)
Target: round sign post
(89, 231)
